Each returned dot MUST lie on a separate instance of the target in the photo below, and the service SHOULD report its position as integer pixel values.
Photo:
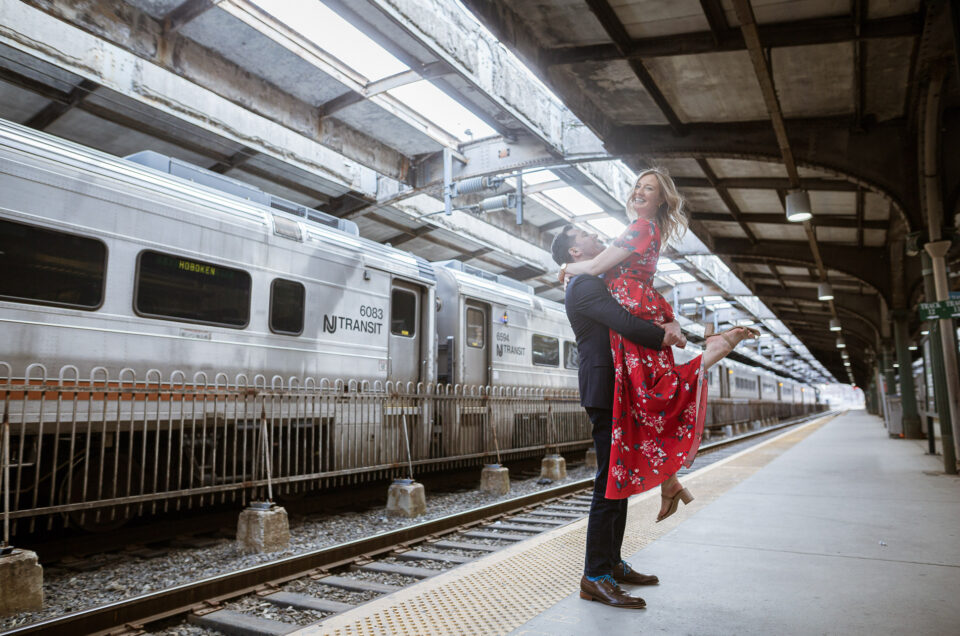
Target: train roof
(483, 284)
(169, 175)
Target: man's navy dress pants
(608, 517)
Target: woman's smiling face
(646, 196)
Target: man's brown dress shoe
(624, 574)
(605, 590)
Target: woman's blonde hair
(670, 218)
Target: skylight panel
(682, 277)
(666, 265)
(443, 110)
(574, 201)
(539, 176)
(336, 36)
(608, 226)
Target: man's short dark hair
(562, 243)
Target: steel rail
(137, 611)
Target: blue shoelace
(605, 578)
(626, 567)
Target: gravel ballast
(68, 591)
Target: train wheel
(107, 518)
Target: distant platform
(831, 528)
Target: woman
(657, 423)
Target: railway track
(412, 553)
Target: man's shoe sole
(590, 597)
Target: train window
(286, 306)
(403, 316)
(546, 351)
(178, 288)
(571, 355)
(46, 267)
(475, 328)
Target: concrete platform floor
(846, 532)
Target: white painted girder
(41, 35)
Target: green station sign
(940, 309)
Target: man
(592, 312)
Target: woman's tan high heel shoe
(682, 495)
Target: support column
(948, 343)
(937, 248)
(889, 381)
(908, 396)
(939, 376)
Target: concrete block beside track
(553, 467)
(590, 459)
(495, 479)
(21, 582)
(263, 530)
(406, 498)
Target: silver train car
(111, 263)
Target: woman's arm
(600, 263)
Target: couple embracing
(647, 411)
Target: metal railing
(98, 449)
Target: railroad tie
(463, 545)
(239, 624)
(393, 568)
(358, 585)
(302, 601)
(416, 555)
(541, 520)
(513, 527)
(480, 534)
(547, 512)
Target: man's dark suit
(592, 312)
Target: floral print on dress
(657, 426)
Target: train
(171, 293)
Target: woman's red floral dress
(656, 424)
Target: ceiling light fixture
(835, 324)
(840, 343)
(798, 206)
(825, 291)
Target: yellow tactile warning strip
(498, 593)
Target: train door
(405, 355)
(476, 343)
(725, 381)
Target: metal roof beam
(726, 198)
(872, 157)
(612, 24)
(791, 278)
(59, 107)
(716, 18)
(861, 224)
(780, 218)
(474, 254)
(119, 46)
(866, 307)
(426, 71)
(767, 183)
(867, 264)
(781, 34)
(185, 13)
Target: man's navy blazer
(592, 312)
